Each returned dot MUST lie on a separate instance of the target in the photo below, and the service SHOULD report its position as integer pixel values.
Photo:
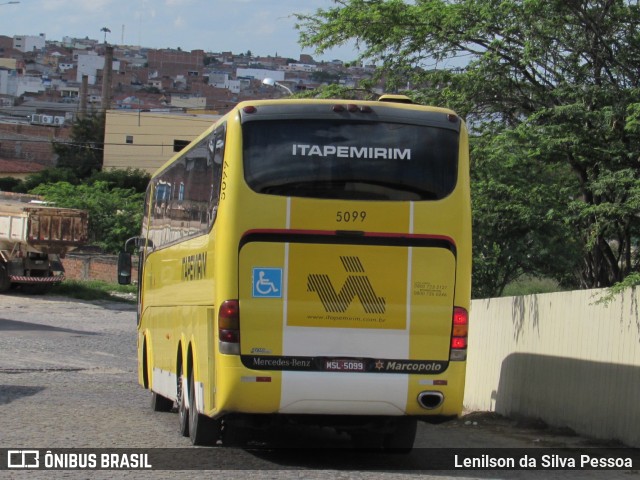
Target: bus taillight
(229, 327)
(459, 334)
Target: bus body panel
(320, 311)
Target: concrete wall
(559, 357)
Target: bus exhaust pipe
(430, 400)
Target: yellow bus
(309, 260)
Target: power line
(185, 137)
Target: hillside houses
(44, 85)
(32, 67)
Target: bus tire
(203, 430)
(402, 437)
(160, 403)
(367, 440)
(5, 283)
(183, 410)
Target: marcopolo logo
(357, 284)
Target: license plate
(344, 365)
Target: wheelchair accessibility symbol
(267, 282)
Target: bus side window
(217, 147)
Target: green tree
(50, 175)
(115, 214)
(519, 227)
(338, 91)
(7, 184)
(559, 76)
(125, 179)
(84, 153)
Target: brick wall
(31, 142)
(95, 267)
(35, 130)
(38, 151)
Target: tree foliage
(339, 91)
(49, 175)
(129, 178)
(115, 214)
(519, 224)
(551, 91)
(7, 184)
(84, 153)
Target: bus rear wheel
(402, 437)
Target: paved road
(68, 380)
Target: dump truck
(34, 236)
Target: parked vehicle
(309, 261)
(33, 239)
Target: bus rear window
(350, 160)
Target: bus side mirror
(124, 268)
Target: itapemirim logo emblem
(357, 284)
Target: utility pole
(106, 78)
(84, 91)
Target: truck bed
(41, 228)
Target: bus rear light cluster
(229, 327)
(459, 334)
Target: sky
(265, 27)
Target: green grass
(95, 290)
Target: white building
(78, 44)
(300, 67)
(29, 84)
(155, 83)
(15, 85)
(235, 86)
(29, 43)
(8, 82)
(89, 63)
(260, 74)
(219, 79)
(189, 102)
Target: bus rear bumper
(241, 390)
